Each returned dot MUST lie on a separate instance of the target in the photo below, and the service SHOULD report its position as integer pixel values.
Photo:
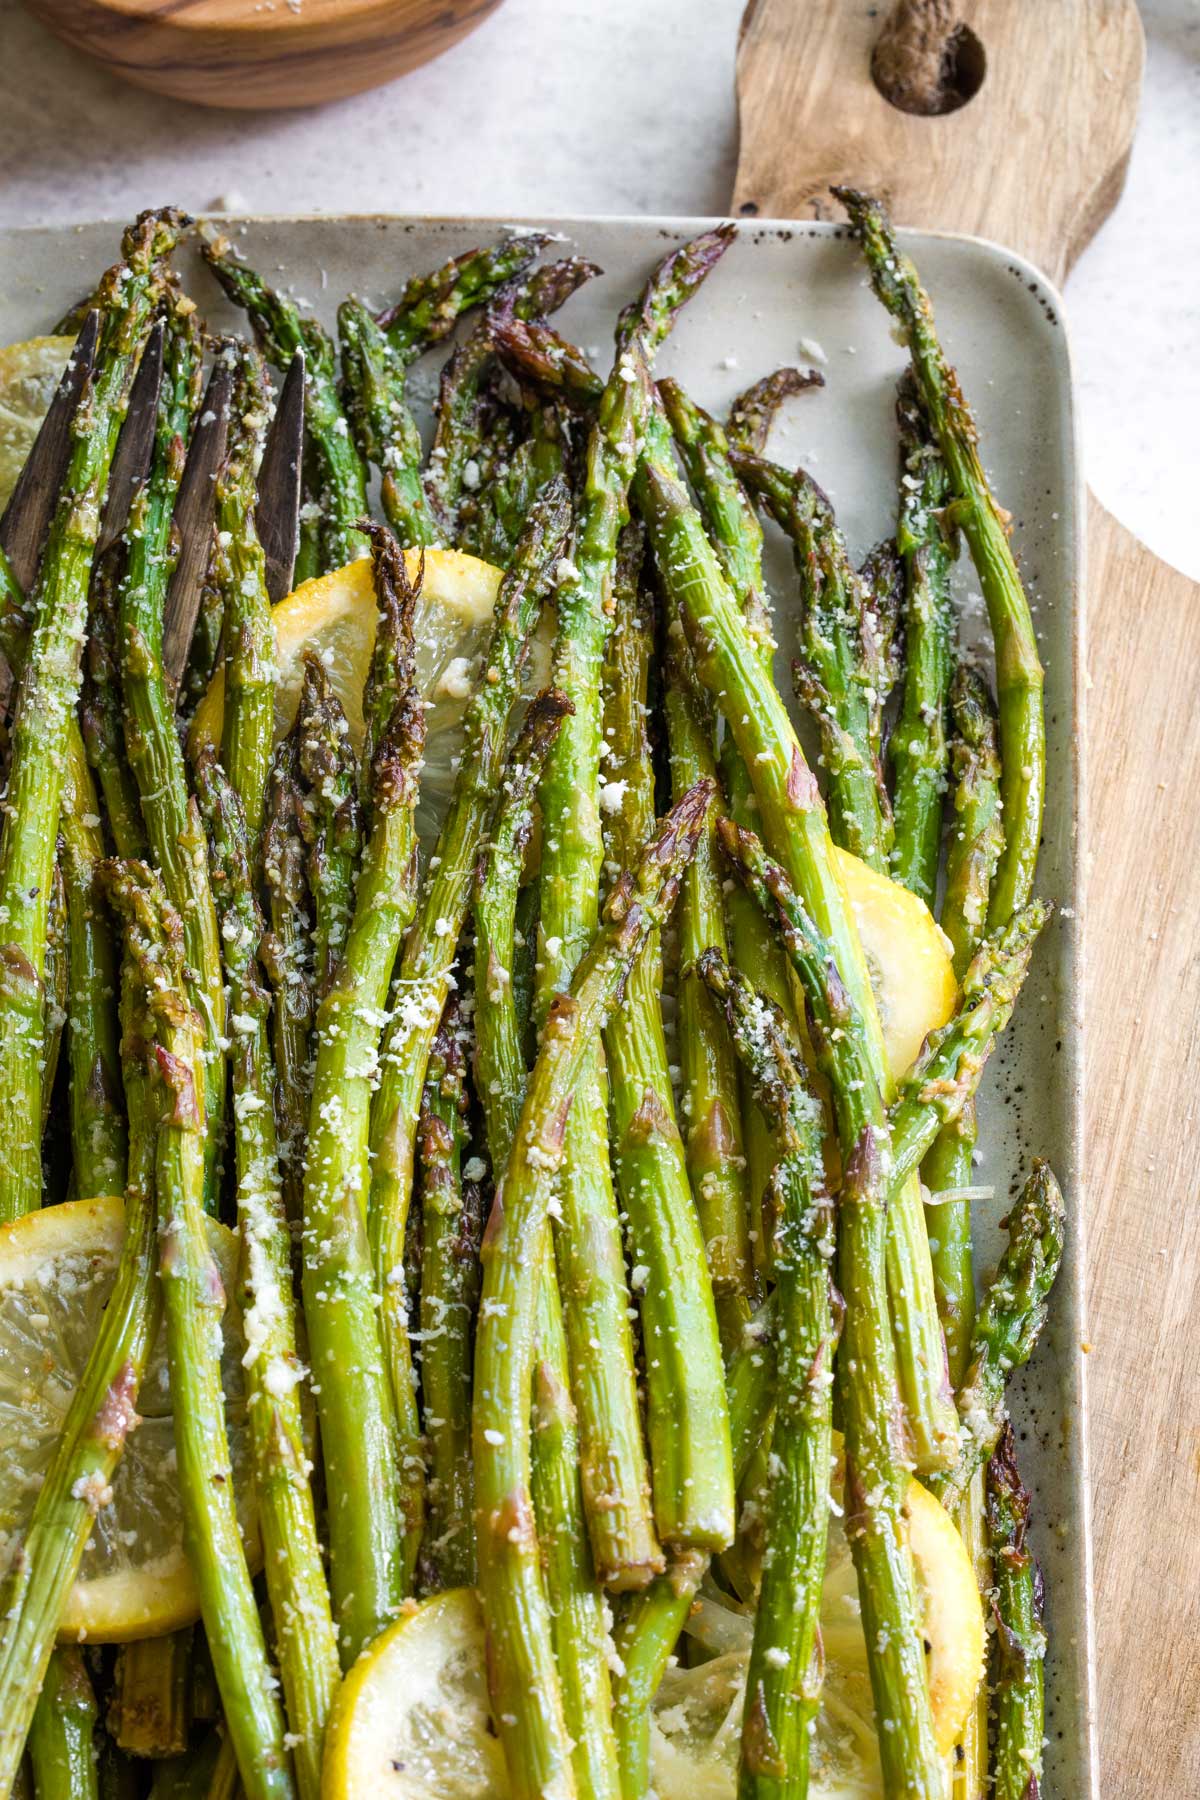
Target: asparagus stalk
(931, 1109)
(868, 1387)
(209, 1772)
(206, 1701)
(849, 641)
(976, 839)
(98, 1126)
(544, 360)
(736, 536)
(579, 1616)
(976, 833)
(509, 474)
(281, 330)
(149, 1714)
(843, 677)
(193, 1300)
(386, 433)
(918, 749)
(753, 412)
(152, 742)
(687, 1420)
(942, 1083)
(729, 517)
(372, 1461)
(453, 476)
(1009, 1324)
(778, 489)
(286, 951)
(309, 561)
(164, 1670)
(458, 434)
(101, 1413)
(944, 1078)
(524, 1682)
(449, 1291)
(62, 1745)
(249, 716)
(578, 1624)
(305, 1640)
(985, 527)
(794, 823)
(426, 966)
(46, 700)
(14, 618)
(332, 822)
(783, 1684)
(55, 982)
(711, 1105)
(645, 1640)
(484, 526)
(881, 578)
(500, 1067)
(524, 964)
(1019, 1644)
(430, 305)
(969, 1759)
(511, 483)
(377, 353)
(100, 711)
(938, 1089)
(117, 1773)
(653, 1620)
(591, 1265)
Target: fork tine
(32, 501)
(135, 446)
(195, 510)
(279, 480)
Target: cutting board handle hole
(926, 63)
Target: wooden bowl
(261, 53)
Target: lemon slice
(57, 1269)
(411, 1718)
(908, 959)
(335, 616)
(29, 374)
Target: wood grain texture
(261, 53)
(1036, 160)
(1142, 1050)
(1062, 80)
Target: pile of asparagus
(577, 1308)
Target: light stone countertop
(570, 106)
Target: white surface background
(626, 106)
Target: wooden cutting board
(1036, 159)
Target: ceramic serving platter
(786, 294)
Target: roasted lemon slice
(411, 1718)
(335, 616)
(57, 1269)
(29, 374)
(908, 958)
